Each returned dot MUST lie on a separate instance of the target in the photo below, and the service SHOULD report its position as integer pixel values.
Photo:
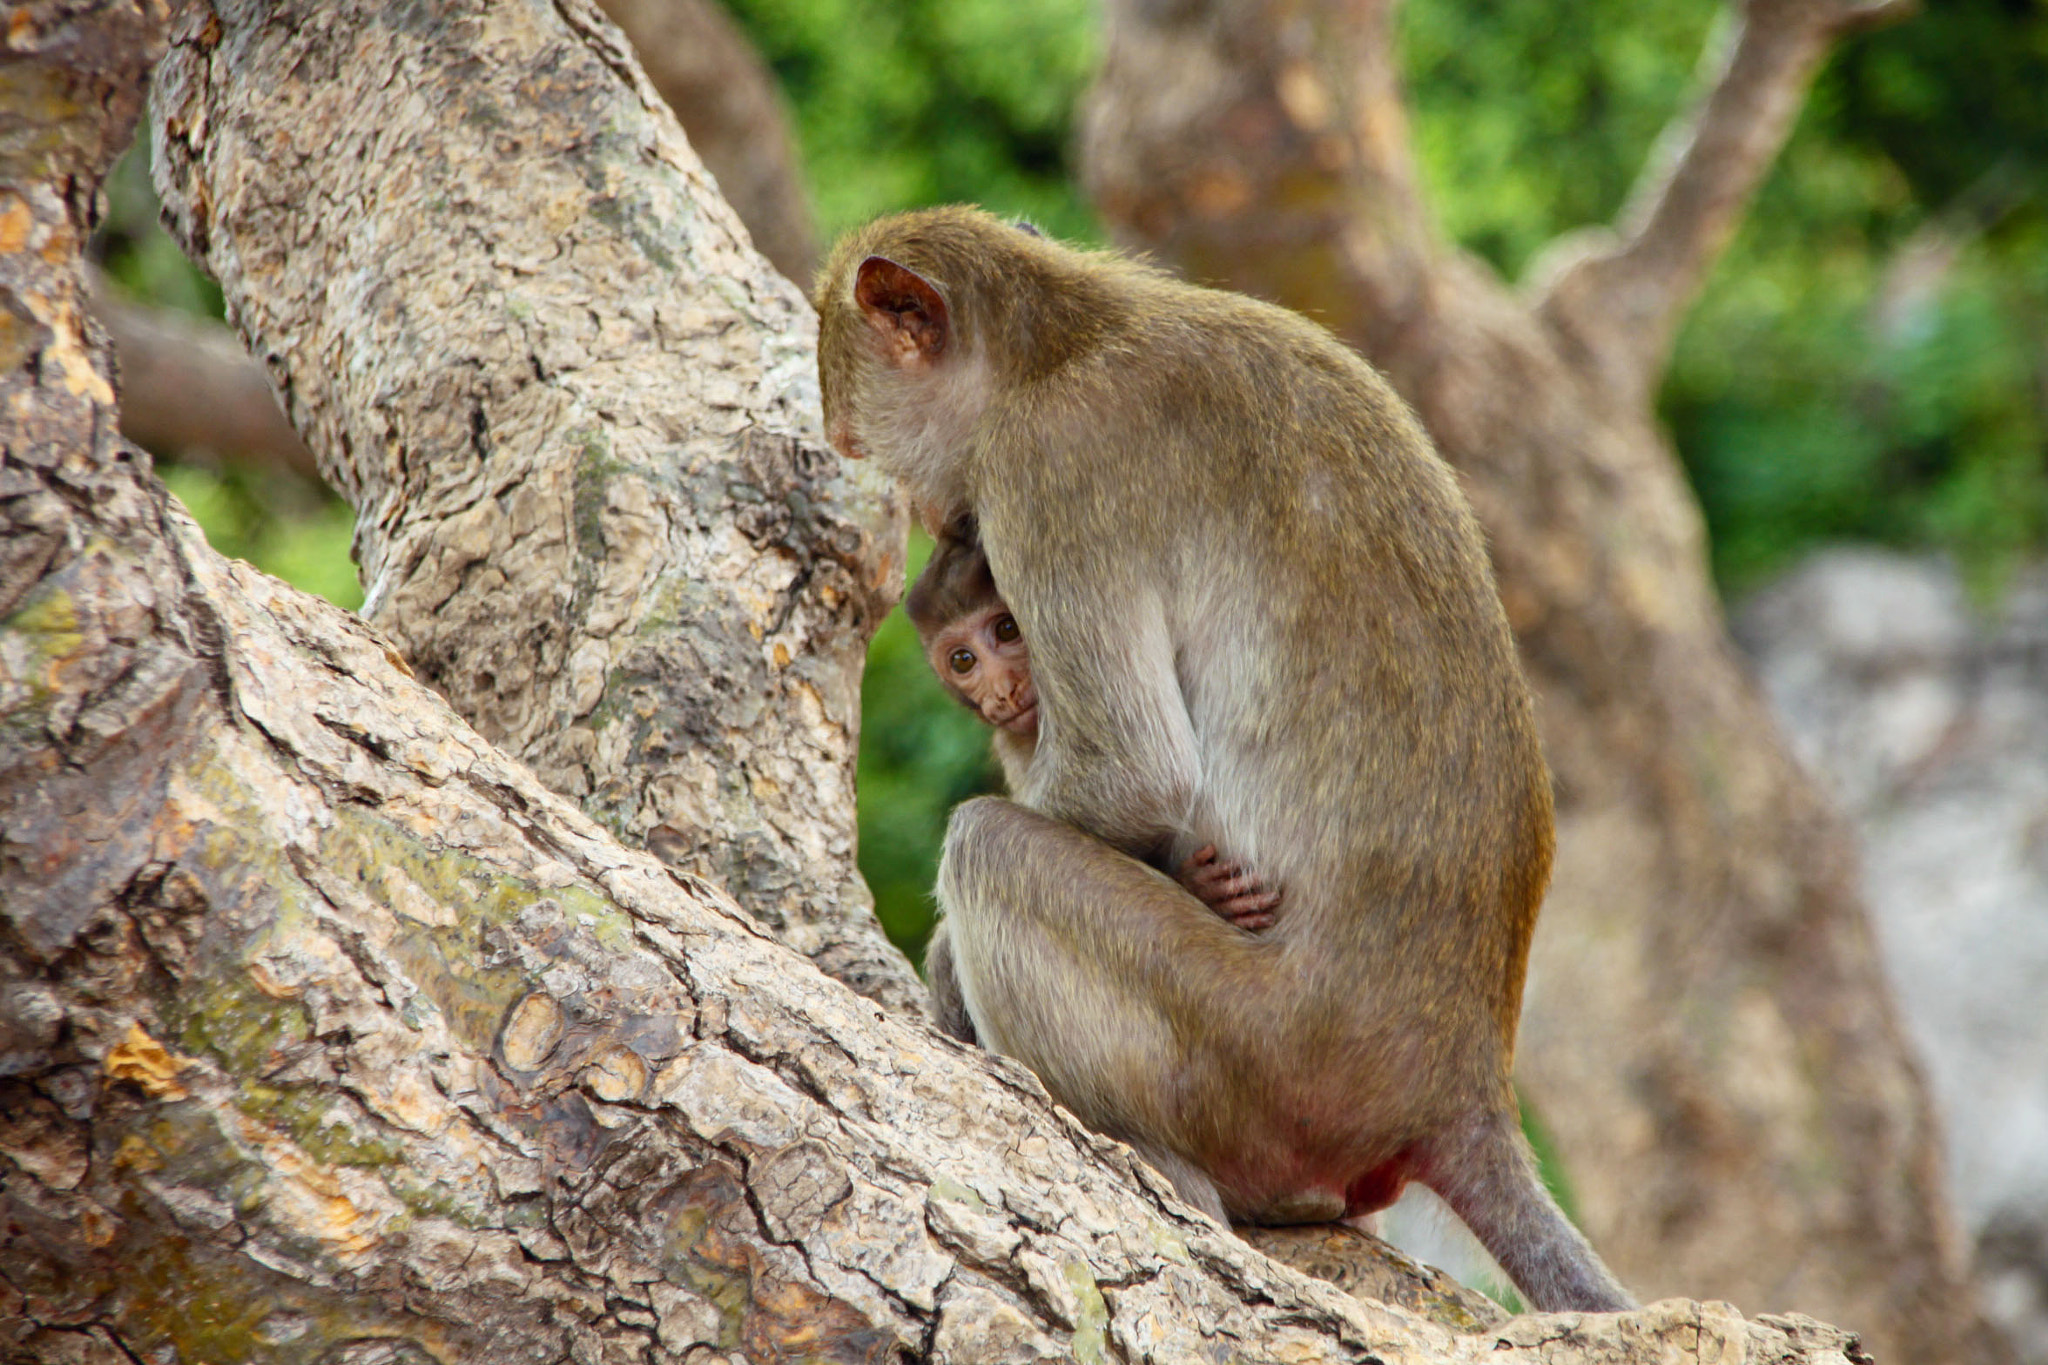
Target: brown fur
(955, 604)
(1260, 616)
(956, 581)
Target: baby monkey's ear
(905, 312)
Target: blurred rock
(1930, 722)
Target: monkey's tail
(1488, 1175)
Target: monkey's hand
(1228, 889)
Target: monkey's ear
(905, 311)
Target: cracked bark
(728, 102)
(1707, 1033)
(328, 1033)
(593, 506)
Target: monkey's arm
(1222, 885)
(1116, 750)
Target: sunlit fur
(1260, 616)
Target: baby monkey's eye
(960, 660)
(1006, 629)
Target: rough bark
(329, 1034)
(1707, 1033)
(727, 99)
(187, 384)
(576, 415)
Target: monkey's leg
(1115, 986)
(1488, 1176)
(949, 1007)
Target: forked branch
(1619, 305)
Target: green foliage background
(1818, 392)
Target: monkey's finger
(1237, 883)
(1252, 920)
(1256, 903)
(1207, 882)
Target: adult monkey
(1261, 617)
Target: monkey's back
(1313, 553)
(1413, 834)
(1260, 615)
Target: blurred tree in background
(908, 102)
(1869, 362)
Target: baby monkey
(978, 651)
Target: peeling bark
(576, 415)
(329, 1034)
(1707, 1032)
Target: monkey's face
(983, 660)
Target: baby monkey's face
(983, 660)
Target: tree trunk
(582, 440)
(727, 100)
(1707, 1034)
(329, 1034)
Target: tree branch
(330, 1034)
(187, 385)
(1620, 304)
(570, 518)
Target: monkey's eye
(1006, 629)
(961, 660)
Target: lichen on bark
(328, 1033)
(575, 412)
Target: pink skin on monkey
(983, 660)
